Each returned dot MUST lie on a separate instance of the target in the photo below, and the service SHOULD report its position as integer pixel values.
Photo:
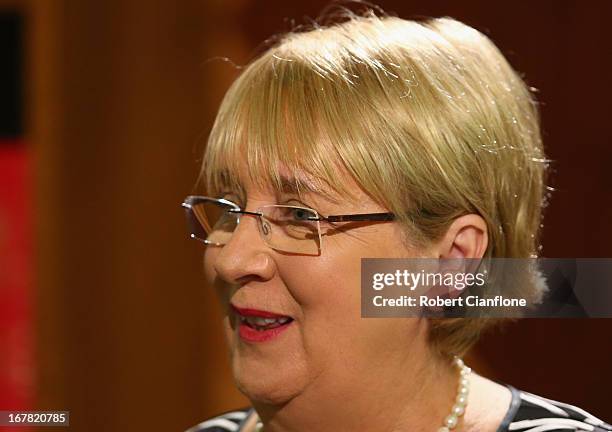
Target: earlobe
(467, 237)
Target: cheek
(332, 281)
(323, 283)
(327, 289)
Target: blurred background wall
(104, 311)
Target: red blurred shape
(16, 337)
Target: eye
(302, 214)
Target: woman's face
(326, 341)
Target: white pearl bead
(466, 371)
(451, 421)
(458, 409)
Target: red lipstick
(255, 325)
(256, 313)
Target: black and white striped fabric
(230, 421)
(527, 413)
(533, 413)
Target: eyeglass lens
(285, 228)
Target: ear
(467, 237)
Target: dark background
(117, 100)
(11, 75)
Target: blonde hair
(428, 118)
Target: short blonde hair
(428, 117)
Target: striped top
(527, 413)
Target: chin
(268, 382)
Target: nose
(245, 256)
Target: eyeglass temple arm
(360, 217)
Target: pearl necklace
(458, 409)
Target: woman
(377, 138)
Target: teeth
(264, 322)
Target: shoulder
(531, 412)
(226, 422)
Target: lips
(256, 325)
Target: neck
(403, 394)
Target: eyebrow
(292, 185)
(288, 184)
